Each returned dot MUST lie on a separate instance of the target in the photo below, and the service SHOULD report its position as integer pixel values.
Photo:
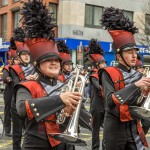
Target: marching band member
(23, 71)
(97, 99)
(67, 64)
(12, 60)
(122, 85)
(139, 66)
(64, 52)
(38, 101)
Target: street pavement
(6, 142)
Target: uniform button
(37, 114)
(35, 109)
(121, 100)
(117, 95)
(32, 104)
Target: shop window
(4, 26)
(16, 19)
(53, 10)
(147, 24)
(93, 15)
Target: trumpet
(71, 135)
(144, 110)
(61, 117)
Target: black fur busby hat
(121, 29)
(64, 51)
(38, 25)
(19, 41)
(95, 51)
(12, 54)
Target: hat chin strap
(66, 72)
(23, 62)
(124, 60)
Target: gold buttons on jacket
(35, 110)
(117, 95)
(37, 114)
(32, 104)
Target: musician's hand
(70, 99)
(143, 83)
(68, 111)
(31, 77)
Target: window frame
(147, 25)
(14, 18)
(3, 34)
(92, 26)
(56, 10)
(4, 4)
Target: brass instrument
(71, 135)
(144, 110)
(61, 117)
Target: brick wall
(9, 9)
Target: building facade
(79, 20)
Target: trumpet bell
(69, 139)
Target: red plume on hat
(19, 41)
(38, 25)
(95, 51)
(120, 28)
(64, 51)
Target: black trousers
(98, 119)
(7, 110)
(118, 135)
(61, 146)
(119, 144)
(17, 129)
(32, 142)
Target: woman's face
(50, 67)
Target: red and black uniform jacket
(6, 75)
(8, 84)
(38, 110)
(61, 78)
(118, 96)
(97, 98)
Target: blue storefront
(3, 50)
(107, 46)
(73, 45)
